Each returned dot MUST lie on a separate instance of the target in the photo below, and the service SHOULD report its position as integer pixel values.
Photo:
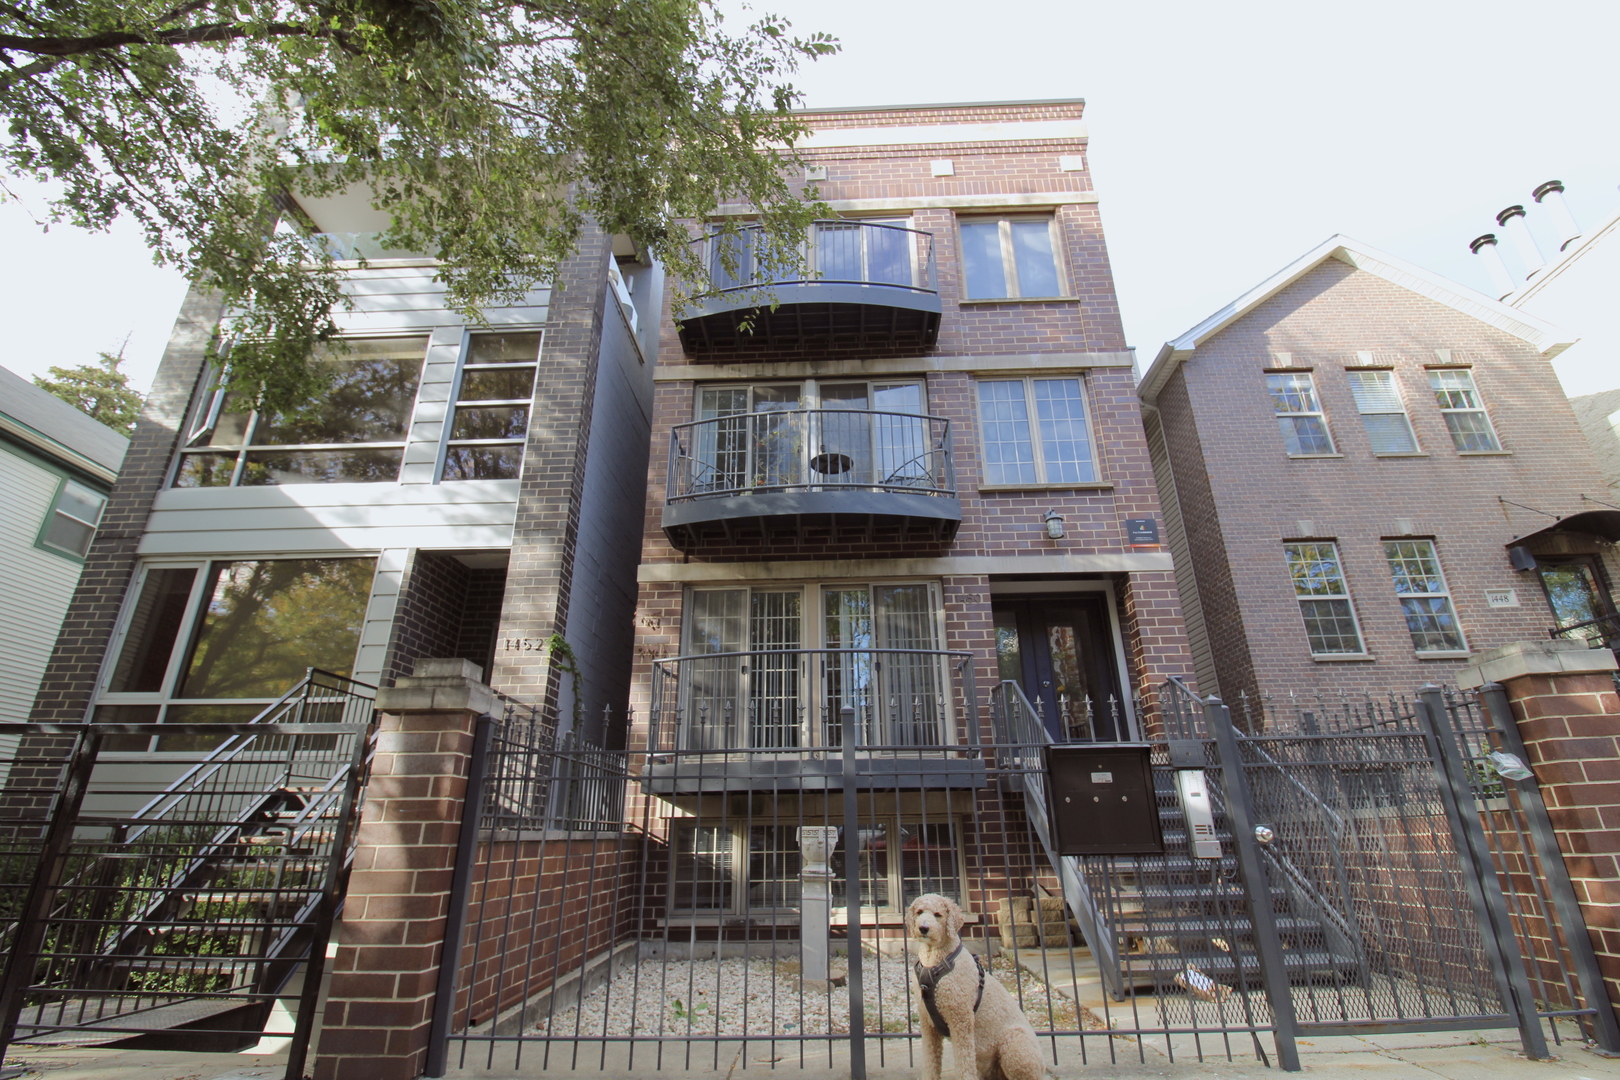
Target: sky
(1226, 140)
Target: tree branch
(206, 34)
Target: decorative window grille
(1324, 598)
(1425, 600)
(1299, 413)
(1455, 393)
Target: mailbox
(1100, 799)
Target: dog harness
(928, 979)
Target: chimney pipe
(1485, 248)
(1551, 195)
(1512, 219)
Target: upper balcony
(867, 284)
(753, 475)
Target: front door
(1060, 649)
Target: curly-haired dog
(962, 1003)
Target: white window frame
(1343, 594)
(1009, 256)
(1444, 593)
(1032, 416)
(738, 828)
(1366, 408)
(1477, 408)
(1316, 411)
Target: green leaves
(485, 135)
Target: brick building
(1369, 473)
(918, 473)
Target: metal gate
(1360, 869)
(174, 899)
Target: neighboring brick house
(1369, 473)
(871, 465)
(461, 492)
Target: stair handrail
(1340, 826)
(1017, 717)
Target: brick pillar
(1563, 698)
(392, 934)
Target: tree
(101, 393)
(489, 132)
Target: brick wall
(446, 609)
(1571, 729)
(1242, 496)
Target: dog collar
(928, 978)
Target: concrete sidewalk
(1492, 1055)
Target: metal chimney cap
(1547, 188)
(1507, 215)
(1480, 241)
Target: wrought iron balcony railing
(811, 450)
(786, 699)
(1602, 632)
(836, 253)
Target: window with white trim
(1299, 414)
(1010, 258)
(1425, 599)
(491, 420)
(738, 867)
(1383, 413)
(1035, 431)
(71, 524)
(1466, 419)
(1324, 598)
(209, 642)
(353, 432)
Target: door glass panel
(716, 623)
(888, 256)
(910, 686)
(720, 453)
(153, 628)
(774, 636)
(1071, 692)
(838, 251)
(904, 456)
(843, 445)
(1574, 593)
(778, 439)
(265, 622)
(1009, 655)
(848, 675)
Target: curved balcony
(776, 719)
(866, 284)
(755, 476)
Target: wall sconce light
(1521, 559)
(1054, 524)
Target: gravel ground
(760, 996)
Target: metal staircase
(168, 911)
(1149, 918)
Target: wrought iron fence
(791, 698)
(177, 899)
(811, 450)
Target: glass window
(1466, 419)
(491, 420)
(73, 519)
(354, 432)
(1009, 257)
(1576, 595)
(1382, 413)
(219, 642)
(1053, 449)
(1324, 598)
(1425, 600)
(864, 251)
(1299, 414)
(742, 866)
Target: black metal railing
(811, 450)
(791, 698)
(1602, 632)
(835, 252)
(181, 892)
